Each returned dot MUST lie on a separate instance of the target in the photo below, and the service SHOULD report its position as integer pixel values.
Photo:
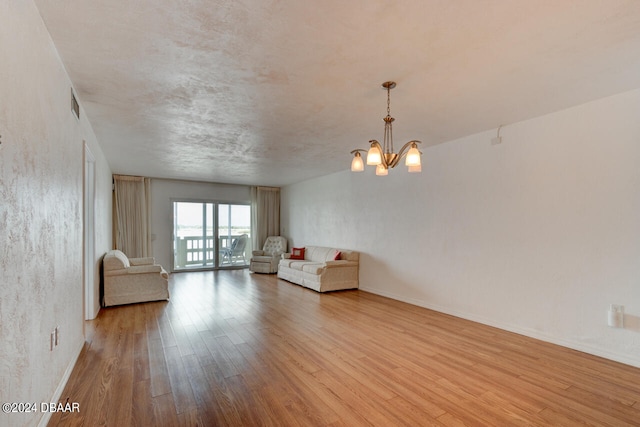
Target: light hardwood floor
(236, 349)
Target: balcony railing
(196, 251)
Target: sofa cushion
(313, 267)
(142, 261)
(297, 253)
(285, 261)
(320, 253)
(297, 264)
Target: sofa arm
(142, 261)
(286, 256)
(341, 263)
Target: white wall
(41, 178)
(164, 192)
(537, 235)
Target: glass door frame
(216, 265)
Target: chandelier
(382, 156)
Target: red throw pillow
(337, 255)
(297, 253)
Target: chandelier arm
(401, 153)
(358, 149)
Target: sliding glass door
(234, 234)
(210, 235)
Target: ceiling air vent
(75, 107)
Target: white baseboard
(63, 383)
(596, 351)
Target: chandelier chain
(387, 142)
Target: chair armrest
(277, 254)
(138, 269)
(141, 269)
(142, 261)
(117, 272)
(257, 253)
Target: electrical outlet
(616, 308)
(615, 317)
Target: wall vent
(75, 107)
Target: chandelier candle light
(382, 156)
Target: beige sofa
(131, 280)
(319, 271)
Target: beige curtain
(265, 216)
(132, 215)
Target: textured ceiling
(272, 92)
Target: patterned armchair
(266, 260)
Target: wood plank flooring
(237, 349)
